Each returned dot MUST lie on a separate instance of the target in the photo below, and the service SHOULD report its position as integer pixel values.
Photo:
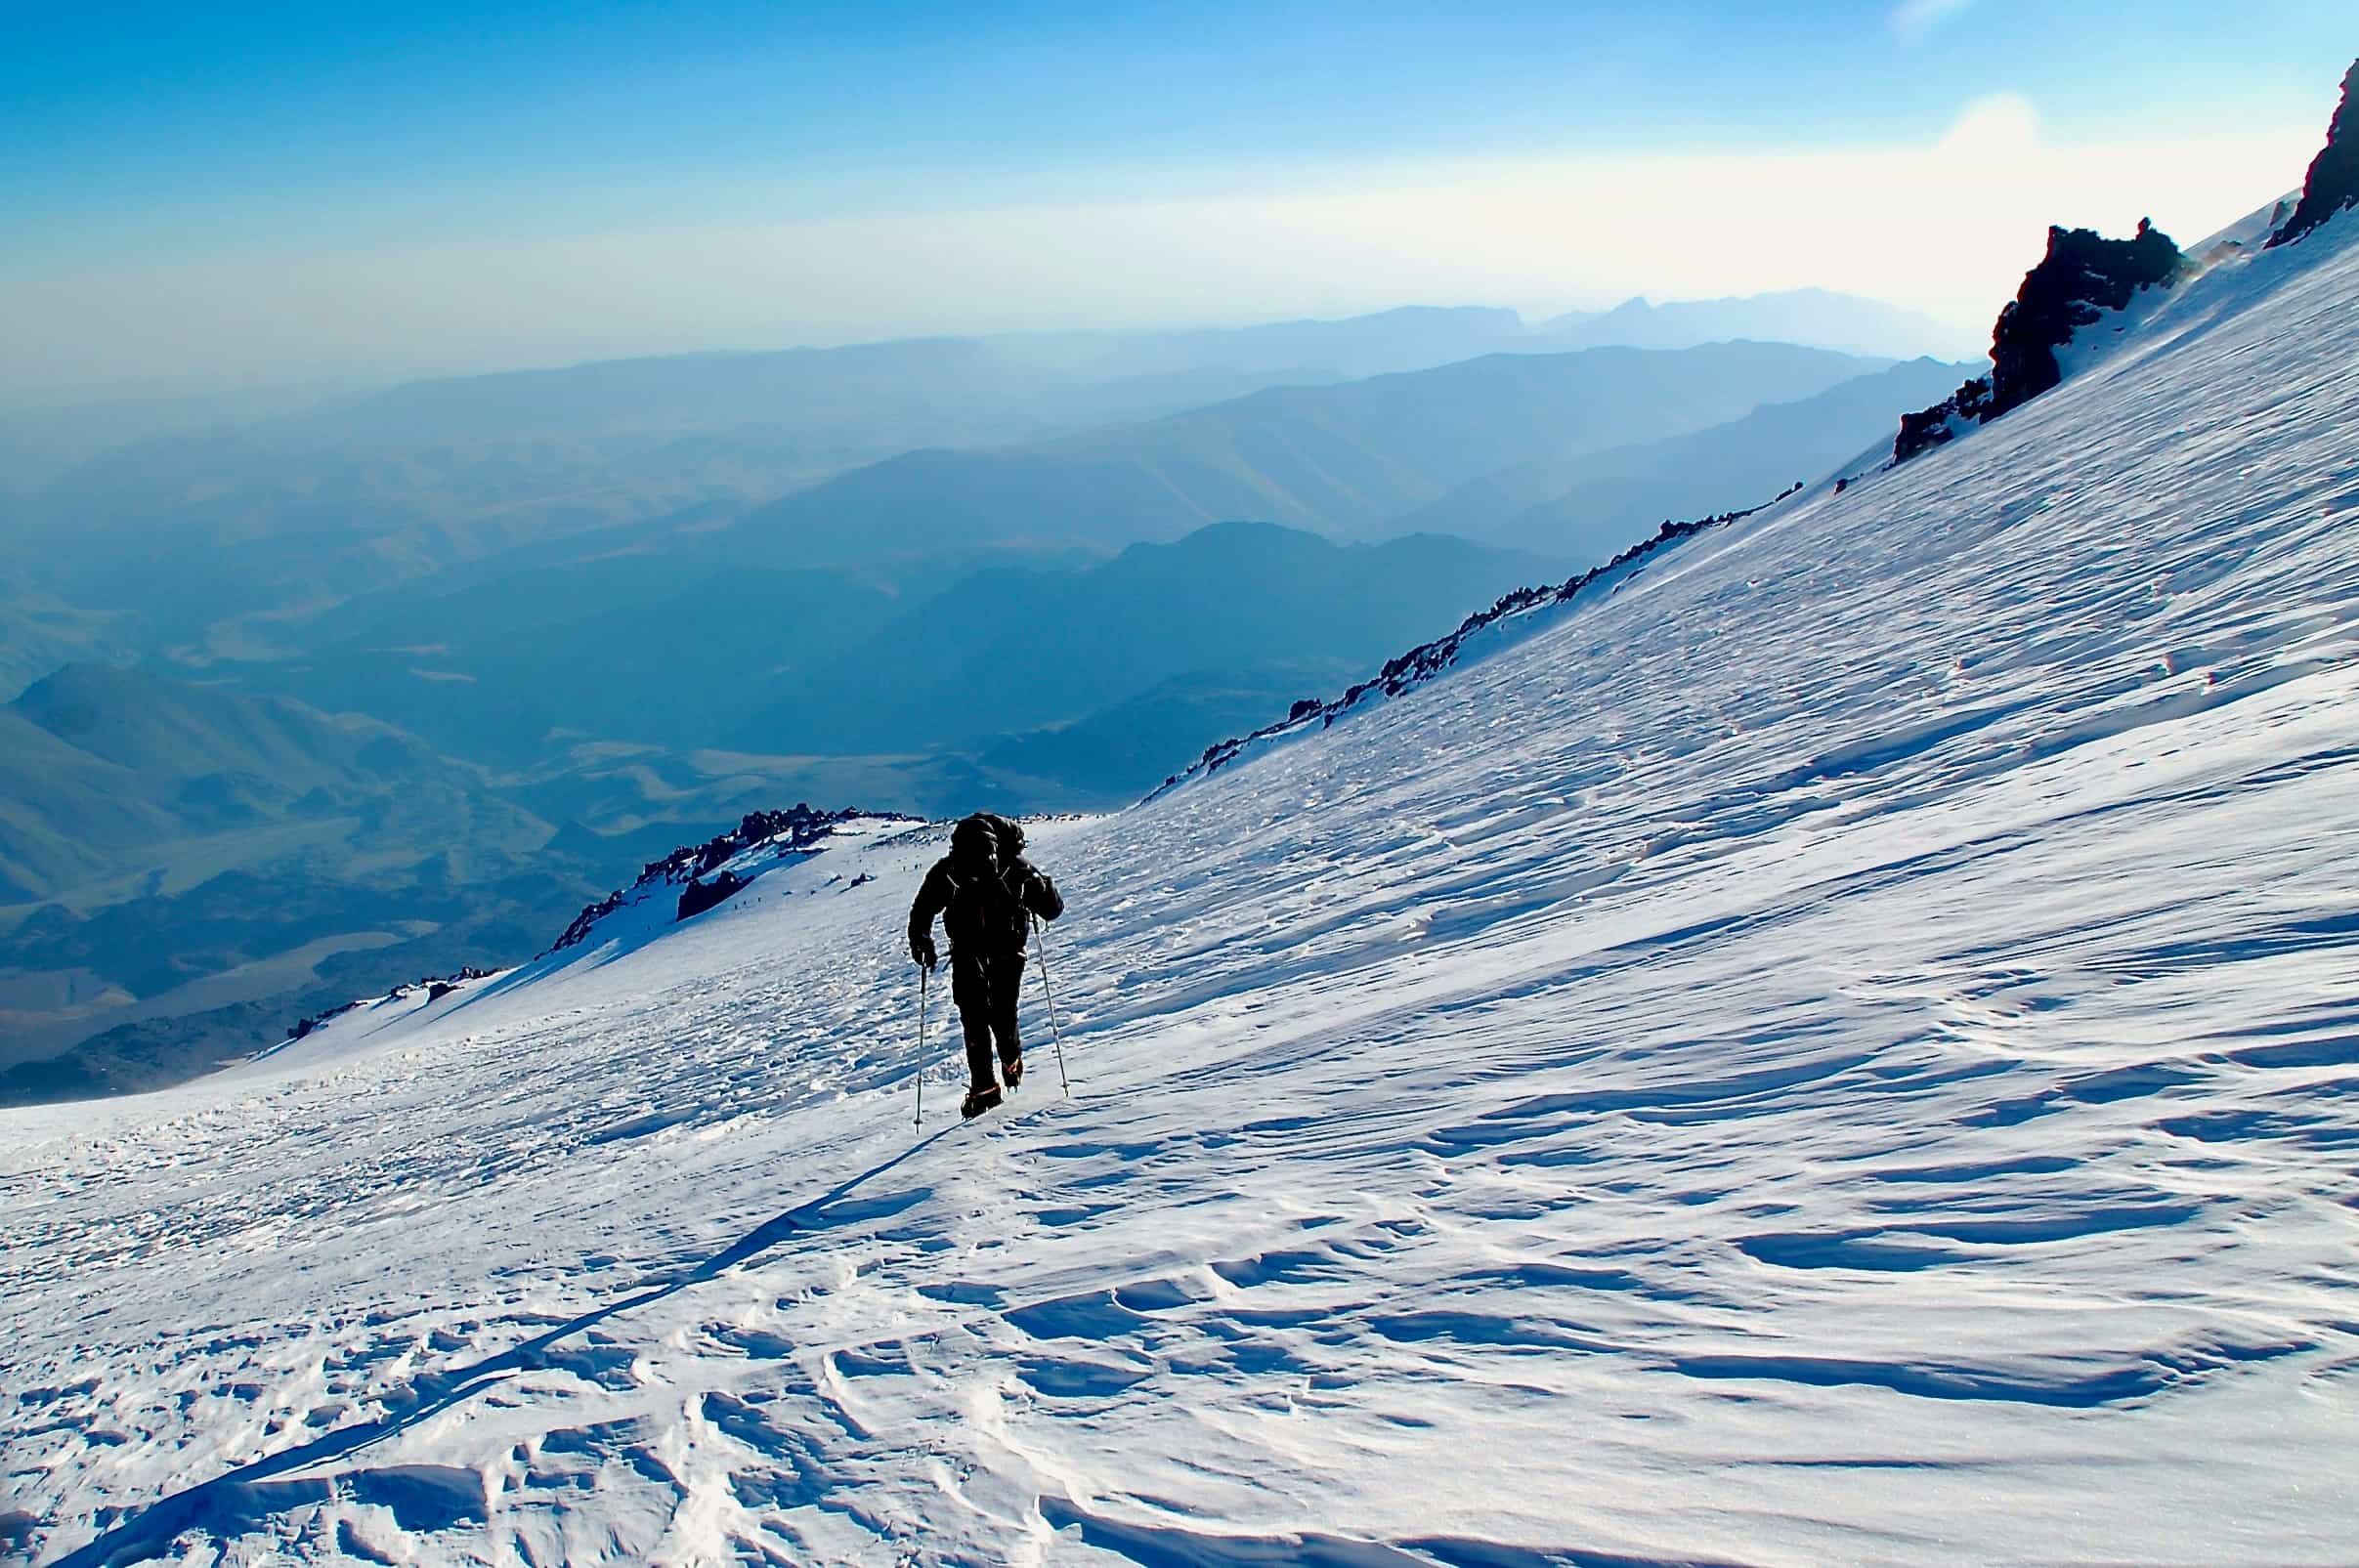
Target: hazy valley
(324, 692)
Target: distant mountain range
(186, 868)
(861, 401)
(472, 649)
(1811, 315)
(1011, 649)
(1414, 337)
(821, 662)
(168, 851)
(99, 765)
(1349, 457)
(1419, 337)
(823, 404)
(1585, 505)
(213, 518)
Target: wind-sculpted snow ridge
(1844, 1050)
(1425, 661)
(762, 836)
(760, 841)
(434, 987)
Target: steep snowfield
(1844, 1049)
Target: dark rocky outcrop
(793, 832)
(436, 987)
(698, 897)
(590, 916)
(2333, 183)
(2085, 274)
(2082, 276)
(304, 1028)
(1933, 426)
(795, 828)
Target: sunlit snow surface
(1844, 1050)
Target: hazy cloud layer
(1913, 18)
(1945, 227)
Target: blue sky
(184, 144)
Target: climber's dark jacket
(986, 894)
(984, 890)
(985, 906)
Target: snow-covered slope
(1508, 618)
(1846, 1050)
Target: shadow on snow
(249, 1492)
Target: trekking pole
(923, 974)
(1040, 944)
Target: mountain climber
(986, 893)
